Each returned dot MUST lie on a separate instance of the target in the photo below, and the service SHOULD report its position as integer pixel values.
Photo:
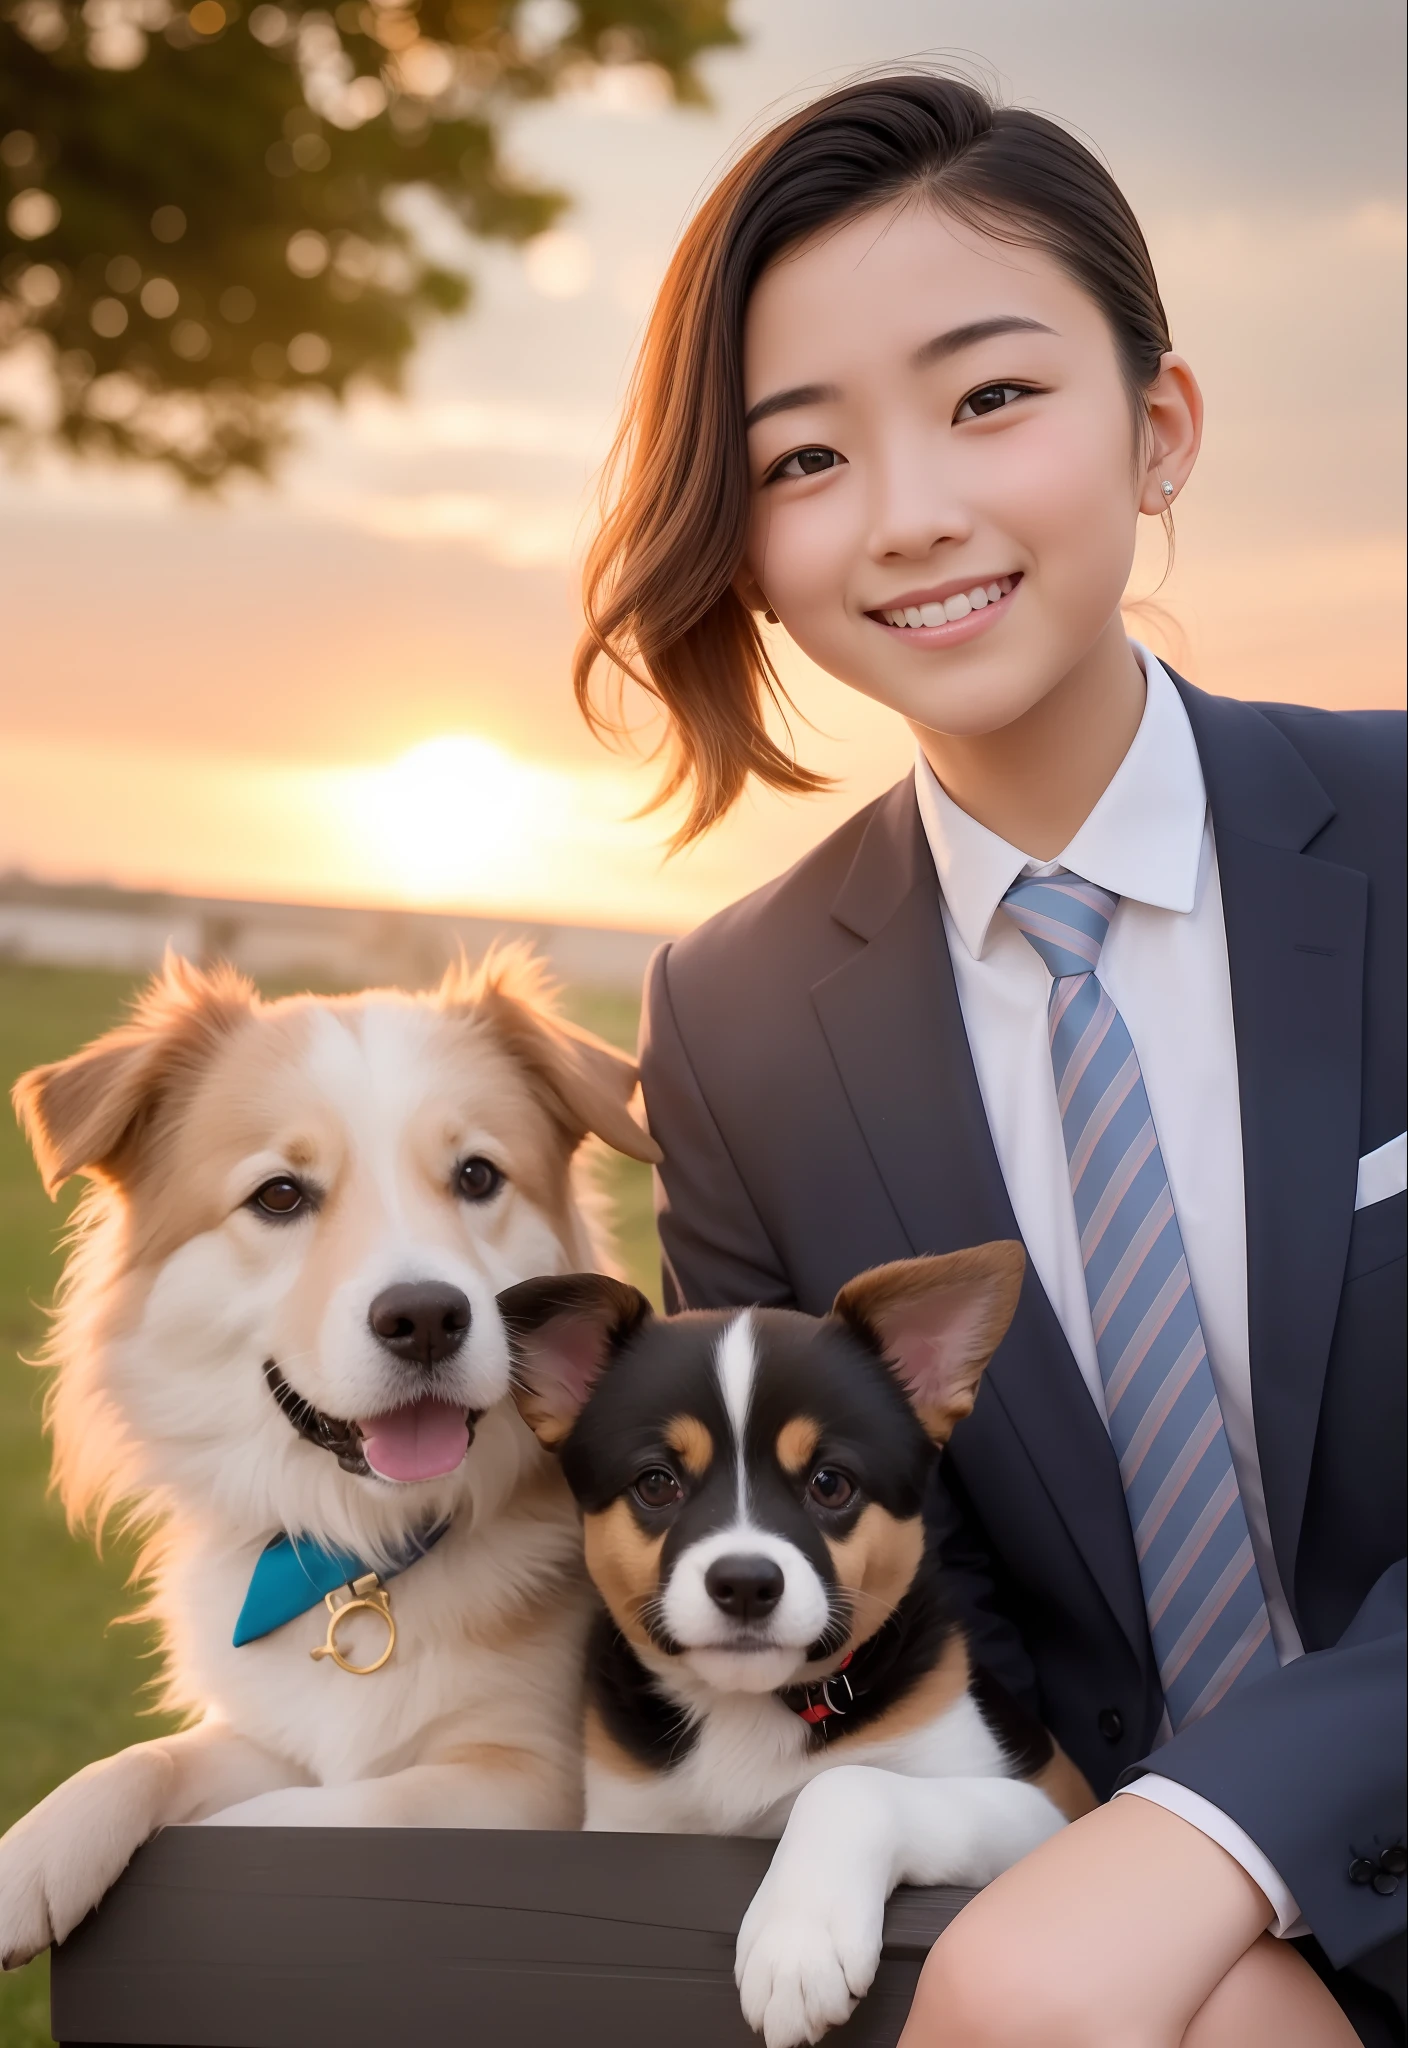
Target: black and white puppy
(777, 1656)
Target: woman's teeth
(952, 608)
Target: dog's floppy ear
(938, 1321)
(585, 1084)
(562, 1330)
(86, 1114)
(591, 1081)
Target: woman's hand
(1114, 1934)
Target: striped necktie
(1202, 1591)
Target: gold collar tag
(366, 1595)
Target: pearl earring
(1166, 488)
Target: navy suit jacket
(807, 1073)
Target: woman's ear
(1174, 405)
(562, 1330)
(749, 592)
(938, 1321)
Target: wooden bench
(439, 1938)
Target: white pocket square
(1383, 1173)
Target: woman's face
(944, 462)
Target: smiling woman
(909, 393)
(967, 409)
(983, 254)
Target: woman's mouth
(942, 618)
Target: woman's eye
(830, 1488)
(657, 1488)
(478, 1180)
(991, 398)
(281, 1198)
(806, 462)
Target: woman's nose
(914, 508)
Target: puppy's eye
(478, 1180)
(657, 1488)
(281, 1198)
(830, 1488)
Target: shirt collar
(1143, 839)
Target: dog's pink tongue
(423, 1441)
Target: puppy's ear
(87, 1114)
(938, 1321)
(562, 1330)
(585, 1084)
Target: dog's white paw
(808, 1950)
(57, 1862)
(26, 1921)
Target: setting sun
(452, 814)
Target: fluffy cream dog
(279, 1320)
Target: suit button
(1110, 1722)
(1395, 1860)
(1362, 1871)
(1385, 1884)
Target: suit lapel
(1295, 945)
(892, 1020)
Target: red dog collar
(817, 1703)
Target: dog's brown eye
(830, 1488)
(478, 1179)
(282, 1197)
(657, 1488)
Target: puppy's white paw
(808, 1950)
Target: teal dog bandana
(295, 1572)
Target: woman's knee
(948, 2011)
(973, 1993)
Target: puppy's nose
(422, 1320)
(746, 1588)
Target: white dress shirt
(1149, 841)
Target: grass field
(71, 1682)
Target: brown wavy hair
(658, 588)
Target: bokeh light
(160, 298)
(32, 214)
(559, 264)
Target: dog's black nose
(422, 1320)
(746, 1588)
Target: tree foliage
(199, 196)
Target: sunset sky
(353, 687)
